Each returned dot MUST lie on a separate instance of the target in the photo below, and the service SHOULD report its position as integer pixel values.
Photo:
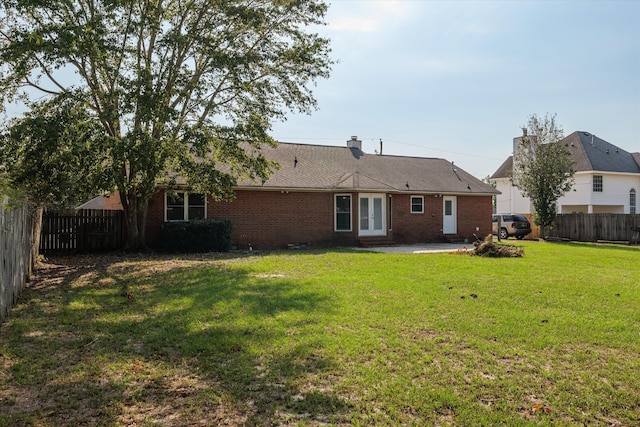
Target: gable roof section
(318, 167)
(504, 170)
(589, 153)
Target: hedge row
(209, 235)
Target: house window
(597, 183)
(343, 212)
(632, 201)
(417, 204)
(184, 206)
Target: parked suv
(511, 225)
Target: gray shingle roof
(589, 153)
(504, 170)
(317, 167)
(596, 154)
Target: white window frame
(598, 184)
(335, 213)
(421, 198)
(185, 205)
(633, 200)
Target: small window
(597, 183)
(184, 206)
(632, 201)
(448, 207)
(417, 204)
(343, 212)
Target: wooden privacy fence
(81, 231)
(593, 227)
(15, 253)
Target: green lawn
(329, 338)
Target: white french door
(372, 218)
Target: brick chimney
(354, 142)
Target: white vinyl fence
(15, 253)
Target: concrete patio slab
(422, 248)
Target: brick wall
(112, 202)
(155, 219)
(274, 219)
(416, 227)
(472, 212)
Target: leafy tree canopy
(542, 167)
(176, 88)
(54, 154)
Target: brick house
(340, 196)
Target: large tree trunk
(135, 213)
(142, 222)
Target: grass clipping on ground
(488, 248)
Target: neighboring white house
(607, 179)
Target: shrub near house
(196, 236)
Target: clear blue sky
(458, 79)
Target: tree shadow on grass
(178, 345)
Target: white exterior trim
(614, 197)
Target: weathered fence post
(15, 253)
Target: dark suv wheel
(504, 234)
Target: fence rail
(81, 231)
(593, 227)
(15, 253)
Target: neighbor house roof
(589, 153)
(317, 167)
(504, 171)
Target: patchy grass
(336, 337)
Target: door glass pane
(364, 214)
(377, 213)
(448, 207)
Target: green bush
(209, 235)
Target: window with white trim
(342, 212)
(185, 206)
(417, 204)
(597, 183)
(632, 201)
